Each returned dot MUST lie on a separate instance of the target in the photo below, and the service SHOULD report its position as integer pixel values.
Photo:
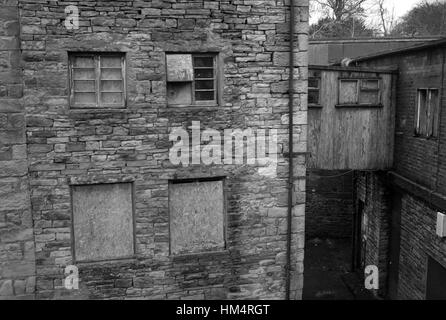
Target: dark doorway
(359, 238)
(436, 281)
(328, 232)
(394, 247)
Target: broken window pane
(313, 96)
(179, 93)
(421, 116)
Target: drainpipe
(440, 113)
(290, 150)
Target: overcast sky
(401, 7)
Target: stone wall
(69, 147)
(17, 263)
(329, 205)
(374, 193)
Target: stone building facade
(57, 154)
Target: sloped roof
(428, 45)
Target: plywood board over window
(197, 220)
(103, 222)
(97, 80)
(359, 92)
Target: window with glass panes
(97, 80)
(191, 79)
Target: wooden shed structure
(351, 118)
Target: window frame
(97, 71)
(216, 80)
(225, 217)
(314, 89)
(133, 254)
(360, 88)
(431, 127)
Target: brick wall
(418, 242)
(17, 263)
(421, 162)
(68, 147)
(373, 192)
(417, 158)
(329, 204)
(418, 237)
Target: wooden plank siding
(356, 137)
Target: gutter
(290, 150)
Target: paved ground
(327, 272)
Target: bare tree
(339, 19)
(386, 16)
(341, 10)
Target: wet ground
(327, 272)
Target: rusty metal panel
(179, 67)
(103, 221)
(196, 217)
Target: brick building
(398, 208)
(85, 173)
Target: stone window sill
(188, 256)
(360, 106)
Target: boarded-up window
(191, 79)
(359, 92)
(97, 80)
(427, 108)
(197, 220)
(314, 91)
(103, 222)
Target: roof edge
(432, 44)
